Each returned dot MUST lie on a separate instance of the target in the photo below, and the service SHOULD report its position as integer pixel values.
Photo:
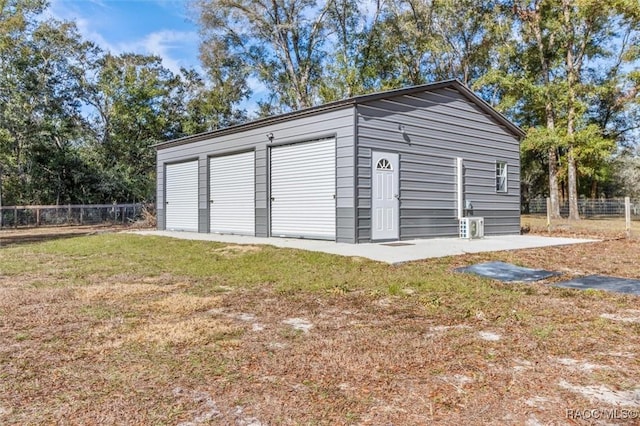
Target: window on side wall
(501, 176)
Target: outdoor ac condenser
(472, 227)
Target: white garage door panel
(232, 190)
(181, 197)
(303, 190)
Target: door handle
(397, 196)
(210, 201)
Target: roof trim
(455, 84)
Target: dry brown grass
(406, 345)
(608, 228)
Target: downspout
(460, 186)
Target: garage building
(396, 165)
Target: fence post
(82, 214)
(15, 217)
(627, 216)
(548, 215)
(37, 217)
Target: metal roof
(454, 84)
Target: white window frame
(502, 177)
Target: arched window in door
(384, 164)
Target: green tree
(134, 107)
(206, 106)
(345, 66)
(420, 41)
(566, 53)
(77, 124)
(278, 42)
(40, 119)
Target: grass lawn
(126, 329)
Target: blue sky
(161, 27)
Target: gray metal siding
(440, 126)
(160, 217)
(337, 123)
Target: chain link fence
(92, 214)
(590, 208)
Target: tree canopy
(565, 70)
(77, 123)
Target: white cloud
(165, 44)
(176, 48)
(85, 29)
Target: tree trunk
(572, 177)
(553, 158)
(553, 184)
(572, 79)
(535, 18)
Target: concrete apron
(395, 252)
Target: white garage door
(181, 196)
(303, 188)
(232, 194)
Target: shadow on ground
(14, 237)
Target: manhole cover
(397, 244)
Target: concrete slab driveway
(397, 252)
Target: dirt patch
(630, 398)
(489, 336)
(300, 324)
(630, 315)
(207, 411)
(580, 365)
(11, 237)
(236, 250)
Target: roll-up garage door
(232, 193)
(181, 196)
(303, 190)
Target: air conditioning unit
(472, 227)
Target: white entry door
(232, 194)
(181, 196)
(303, 190)
(385, 204)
